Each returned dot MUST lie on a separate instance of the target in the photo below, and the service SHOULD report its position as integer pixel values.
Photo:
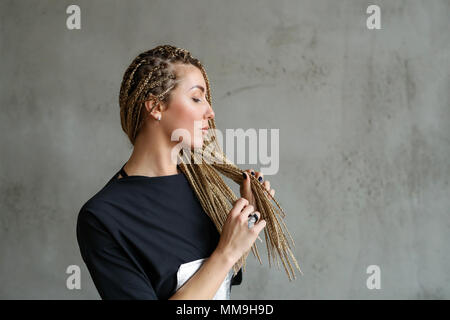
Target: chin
(197, 141)
(197, 145)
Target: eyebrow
(197, 86)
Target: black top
(136, 232)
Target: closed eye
(196, 100)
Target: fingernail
(253, 173)
(260, 178)
(245, 176)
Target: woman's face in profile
(188, 108)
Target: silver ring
(252, 218)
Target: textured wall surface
(364, 119)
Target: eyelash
(196, 100)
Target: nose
(210, 112)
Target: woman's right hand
(236, 238)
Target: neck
(151, 155)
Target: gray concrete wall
(364, 119)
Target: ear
(153, 108)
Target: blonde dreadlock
(151, 76)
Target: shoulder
(95, 227)
(97, 209)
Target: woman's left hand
(245, 188)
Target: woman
(165, 229)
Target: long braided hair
(152, 76)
